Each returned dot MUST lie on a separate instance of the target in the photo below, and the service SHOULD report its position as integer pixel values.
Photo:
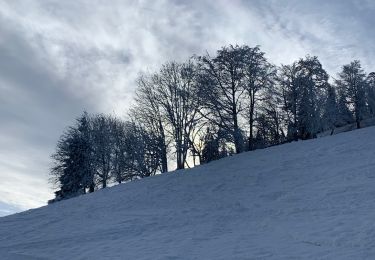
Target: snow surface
(305, 200)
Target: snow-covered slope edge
(305, 200)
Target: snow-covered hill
(305, 200)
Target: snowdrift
(311, 199)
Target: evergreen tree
(72, 170)
(210, 150)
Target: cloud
(336, 31)
(58, 58)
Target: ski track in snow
(311, 199)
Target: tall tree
(259, 75)
(102, 147)
(352, 82)
(370, 93)
(72, 170)
(149, 116)
(142, 152)
(313, 86)
(345, 116)
(331, 110)
(120, 152)
(271, 109)
(178, 95)
(304, 85)
(222, 81)
(289, 83)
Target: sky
(59, 58)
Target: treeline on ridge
(208, 108)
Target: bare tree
(149, 115)
(259, 75)
(120, 152)
(331, 110)
(370, 93)
(352, 82)
(222, 82)
(143, 150)
(102, 148)
(289, 84)
(271, 108)
(177, 92)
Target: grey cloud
(34, 109)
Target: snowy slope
(305, 200)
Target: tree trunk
(180, 161)
(236, 134)
(251, 137)
(92, 188)
(164, 159)
(357, 116)
(179, 153)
